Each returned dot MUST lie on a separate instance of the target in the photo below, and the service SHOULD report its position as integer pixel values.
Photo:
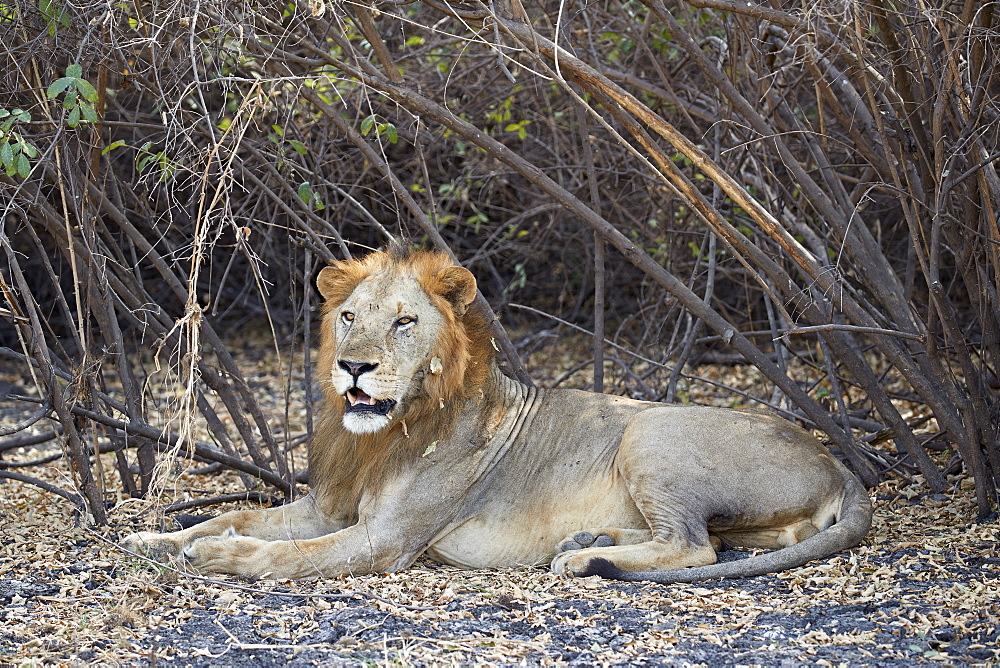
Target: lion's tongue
(359, 397)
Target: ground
(924, 587)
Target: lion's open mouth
(359, 402)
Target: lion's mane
(341, 462)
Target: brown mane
(342, 463)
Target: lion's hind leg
(769, 538)
(603, 537)
(654, 553)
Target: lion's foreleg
(299, 520)
(356, 550)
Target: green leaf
(58, 86)
(112, 146)
(305, 192)
(143, 157)
(367, 124)
(27, 148)
(74, 117)
(75, 71)
(299, 147)
(519, 128)
(391, 133)
(89, 112)
(87, 90)
(6, 154)
(71, 99)
(23, 166)
(52, 14)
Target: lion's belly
(524, 531)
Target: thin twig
(252, 497)
(42, 412)
(72, 497)
(833, 327)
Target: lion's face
(386, 333)
(390, 342)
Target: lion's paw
(584, 539)
(156, 546)
(574, 553)
(576, 563)
(229, 553)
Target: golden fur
(424, 447)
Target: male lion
(425, 447)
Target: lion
(424, 447)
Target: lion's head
(395, 335)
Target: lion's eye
(347, 316)
(405, 320)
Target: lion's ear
(458, 286)
(337, 281)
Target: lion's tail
(851, 527)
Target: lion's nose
(356, 368)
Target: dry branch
(823, 173)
